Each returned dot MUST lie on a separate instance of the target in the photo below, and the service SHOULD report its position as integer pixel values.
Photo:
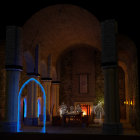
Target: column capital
(55, 82)
(108, 65)
(14, 67)
(33, 74)
(46, 79)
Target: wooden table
(74, 117)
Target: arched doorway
(19, 104)
(82, 81)
(122, 93)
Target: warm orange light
(84, 110)
(131, 102)
(84, 113)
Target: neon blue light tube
(44, 105)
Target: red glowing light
(86, 109)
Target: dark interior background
(126, 13)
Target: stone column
(55, 97)
(35, 108)
(32, 102)
(46, 82)
(13, 68)
(32, 94)
(112, 123)
(30, 91)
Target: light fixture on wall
(130, 102)
(126, 102)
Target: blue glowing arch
(44, 106)
(25, 107)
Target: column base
(8, 127)
(112, 129)
(31, 121)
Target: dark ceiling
(126, 13)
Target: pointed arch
(44, 106)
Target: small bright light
(124, 102)
(84, 113)
(131, 103)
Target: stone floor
(95, 129)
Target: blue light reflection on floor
(44, 105)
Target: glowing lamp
(84, 113)
(131, 103)
(124, 102)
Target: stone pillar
(35, 108)
(32, 102)
(46, 82)
(30, 91)
(13, 68)
(55, 97)
(112, 123)
(32, 94)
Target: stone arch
(68, 49)
(125, 70)
(69, 74)
(59, 26)
(44, 98)
(127, 59)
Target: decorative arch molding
(125, 69)
(44, 105)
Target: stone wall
(78, 61)
(99, 79)
(2, 80)
(122, 93)
(127, 54)
(59, 26)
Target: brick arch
(67, 50)
(59, 26)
